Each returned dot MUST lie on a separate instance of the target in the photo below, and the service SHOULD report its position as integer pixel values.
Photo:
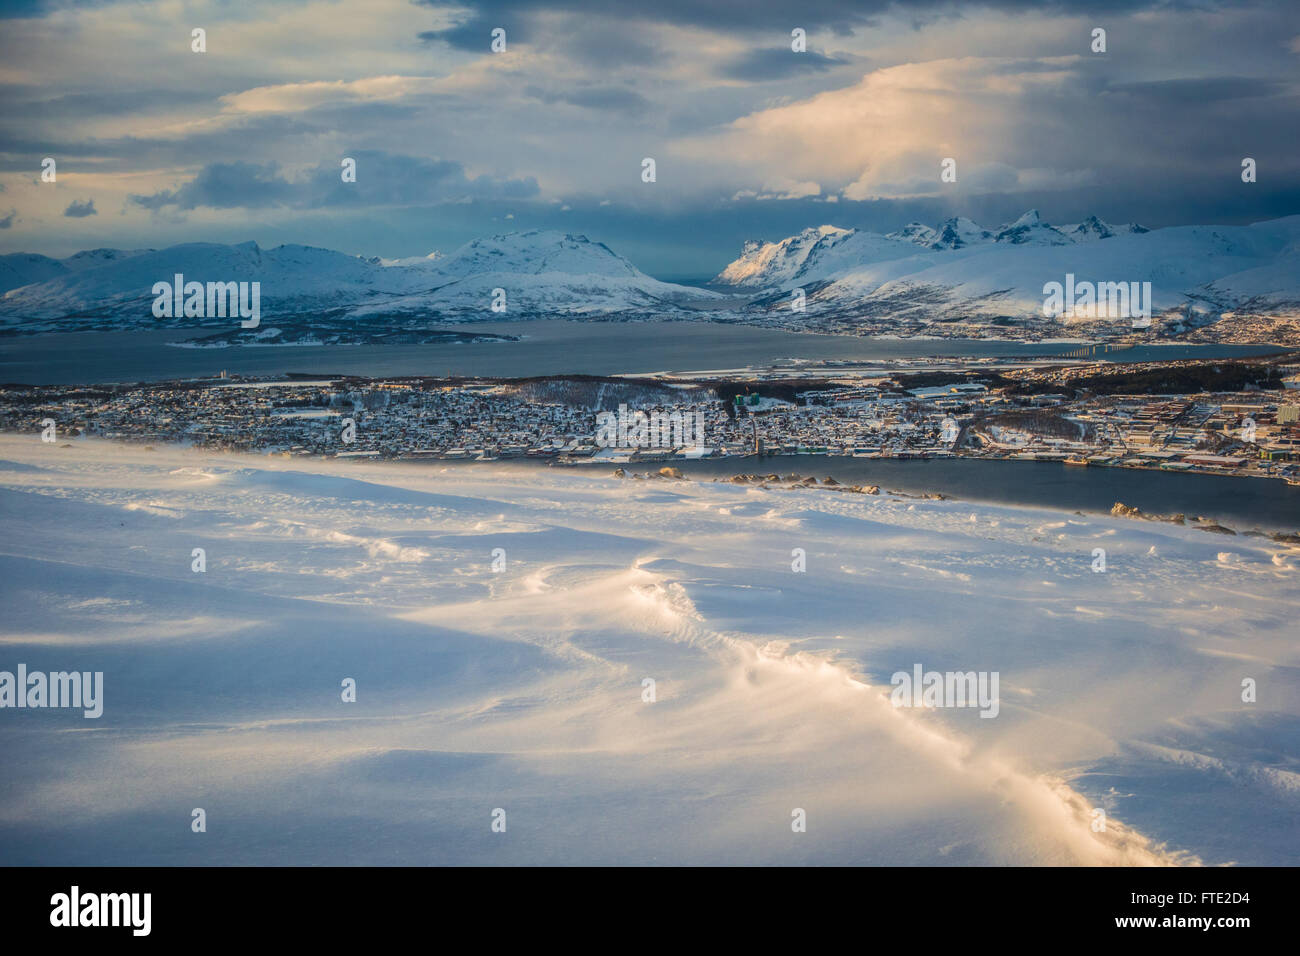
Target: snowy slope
(92, 258)
(542, 272)
(763, 264)
(23, 268)
(522, 689)
(120, 289)
(1175, 261)
(820, 251)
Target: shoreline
(559, 459)
(768, 480)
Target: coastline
(1274, 506)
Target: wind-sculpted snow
(521, 688)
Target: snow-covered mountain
(1030, 229)
(961, 273)
(1093, 228)
(819, 252)
(959, 232)
(917, 232)
(25, 268)
(957, 278)
(763, 263)
(541, 273)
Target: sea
(544, 347)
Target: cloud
(610, 45)
(1008, 88)
(296, 97)
(225, 186)
(8, 221)
(79, 210)
(99, 103)
(382, 179)
(1011, 125)
(598, 98)
(781, 189)
(778, 63)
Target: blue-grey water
(547, 347)
(1240, 503)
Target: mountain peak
(917, 232)
(958, 232)
(1030, 229)
(1093, 228)
(768, 263)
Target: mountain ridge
(954, 279)
(542, 271)
(960, 278)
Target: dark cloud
(382, 179)
(778, 63)
(1199, 91)
(20, 101)
(226, 186)
(842, 17)
(474, 35)
(129, 153)
(13, 9)
(1155, 130)
(609, 46)
(79, 210)
(8, 220)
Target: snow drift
(521, 687)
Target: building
(1215, 461)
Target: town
(1237, 417)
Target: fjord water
(545, 347)
(1239, 503)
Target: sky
(156, 144)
